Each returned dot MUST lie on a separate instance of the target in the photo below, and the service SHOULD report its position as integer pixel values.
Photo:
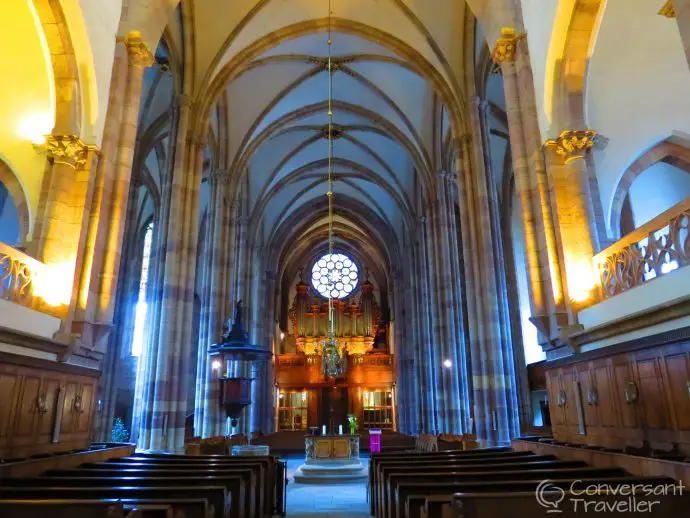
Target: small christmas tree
(119, 433)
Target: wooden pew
(396, 478)
(456, 457)
(62, 508)
(274, 474)
(412, 458)
(236, 485)
(180, 507)
(255, 491)
(406, 489)
(497, 467)
(499, 505)
(216, 496)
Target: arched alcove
(652, 184)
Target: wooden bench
(179, 507)
(496, 467)
(62, 508)
(255, 502)
(216, 496)
(270, 473)
(236, 485)
(406, 489)
(395, 479)
(424, 461)
(275, 474)
(499, 505)
(479, 456)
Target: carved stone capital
(572, 144)
(668, 10)
(506, 46)
(68, 149)
(139, 53)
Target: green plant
(119, 433)
(352, 420)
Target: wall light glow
(53, 283)
(35, 127)
(581, 281)
(215, 365)
(447, 364)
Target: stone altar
(330, 459)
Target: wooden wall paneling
(606, 398)
(68, 421)
(677, 377)
(570, 408)
(622, 375)
(85, 410)
(553, 387)
(9, 388)
(652, 403)
(25, 419)
(48, 407)
(590, 408)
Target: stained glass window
(334, 274)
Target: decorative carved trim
(68, 149)
(506, 46)
(337, 64)
(139, 53)
(572, 144)
(668, 10)
(334, 132)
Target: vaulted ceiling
(261, 66)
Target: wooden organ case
(366, 390)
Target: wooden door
(26, 418)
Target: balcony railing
(656, 248)
(18, 275)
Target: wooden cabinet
(626, 397)
(44, 410)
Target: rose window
(335, 275)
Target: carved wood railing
(656, 248)
(18, 272)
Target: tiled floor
(332, 500)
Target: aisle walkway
(331, 501)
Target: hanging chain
(331, 310)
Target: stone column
(208, 418)
(545, 285)
(681, 10)
(453, 389)
(99, 276)
(505, 268)
(163, 373)
(492, 362)
(62, 232)
(574, 212)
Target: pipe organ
(306, 397)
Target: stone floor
(331, 500)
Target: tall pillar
(681, 10)
(99, 275)
(573, 212)
(209, 420)
(496, 416)
(544, 275)
(453, 407)
(163, 374)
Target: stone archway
(673, 150)
(18, 196)
(65, 71)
